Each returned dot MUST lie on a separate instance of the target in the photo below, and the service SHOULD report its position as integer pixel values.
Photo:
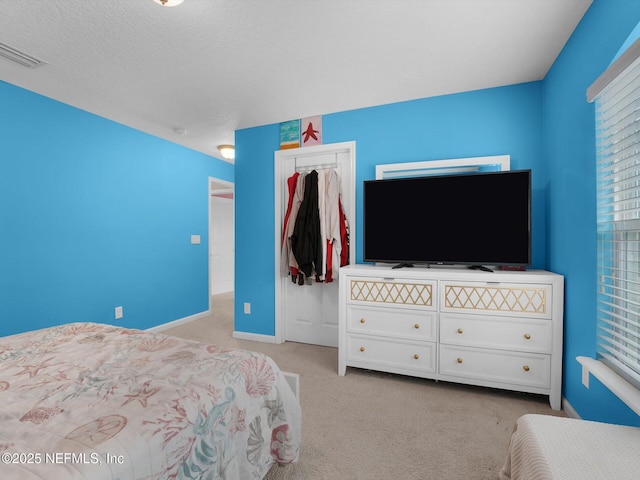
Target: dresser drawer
(514, 368)
(392, 291)
(395, 322)
(506, 333)
(380, 353)
(532, 300)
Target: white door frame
(280, 157)
(230, 186)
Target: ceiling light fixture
(228, 152)
(169, 3)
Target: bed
(94, 401)
(545, 447)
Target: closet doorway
(309, 313)
(221, 239)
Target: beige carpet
(369, 425)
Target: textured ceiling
(209, 67)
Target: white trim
(180, 321)
(569, 410)
(391, 170)
(629, 56)
(254, 337)
(610, 379)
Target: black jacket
(306, 240)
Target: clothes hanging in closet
(315, 233)
(332, 221)
(288, 264)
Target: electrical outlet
(118, 313)
(247, 308)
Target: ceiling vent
(19, 57)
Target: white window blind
(618, 217)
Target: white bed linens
(545, 447)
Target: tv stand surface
(499, 329)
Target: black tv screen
(466, 219)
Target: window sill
(614, 382)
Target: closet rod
(320, 166)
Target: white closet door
(309, 313)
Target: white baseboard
(569, 410)
(180, 321)
(256, 337)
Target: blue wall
(94, 215)
(497, 121)
(254, 230)
(569, 128)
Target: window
(617, 97)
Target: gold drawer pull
(460, 330)
(416, 356)
(459, 360)
(527, 336)
(362, 320)
(416, 326)
(526, 368)
(362, 349)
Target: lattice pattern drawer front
(534, 300)
(391, 292)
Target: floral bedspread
(93, 401)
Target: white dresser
(498, 329)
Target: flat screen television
(479, 220)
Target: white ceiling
(210, 67)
